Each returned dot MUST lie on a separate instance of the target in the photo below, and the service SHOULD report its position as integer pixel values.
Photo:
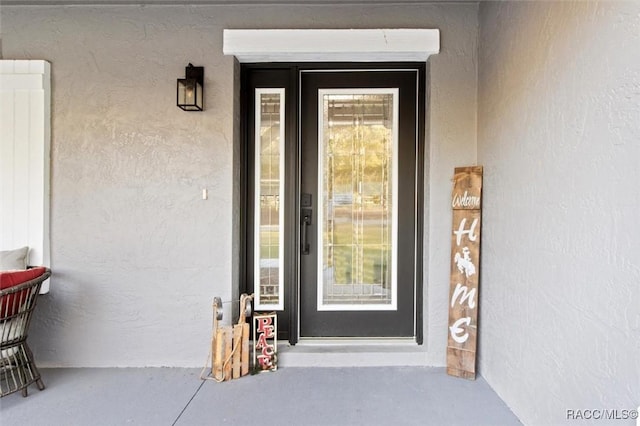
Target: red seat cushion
(12, 279)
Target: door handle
(305, 221)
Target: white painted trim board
(25, 126)
(312, 45)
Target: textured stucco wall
(137, 254)
(559, 138)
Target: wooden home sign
(466, 203)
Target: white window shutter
(25, 141)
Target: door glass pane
(357, 186)
(269, 188)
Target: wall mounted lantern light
(191, 89)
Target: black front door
(358, 203)
(333, 189)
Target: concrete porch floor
(289, 396)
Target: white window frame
(256, 219)
(393, 306)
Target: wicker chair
(17, 367)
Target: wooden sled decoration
(230, 344)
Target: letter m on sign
(462, 330)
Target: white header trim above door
(371, 45)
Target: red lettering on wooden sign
(265, 341)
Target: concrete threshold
(351, 353)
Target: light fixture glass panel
(190, 94)
(199, 96)
(269, 192)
